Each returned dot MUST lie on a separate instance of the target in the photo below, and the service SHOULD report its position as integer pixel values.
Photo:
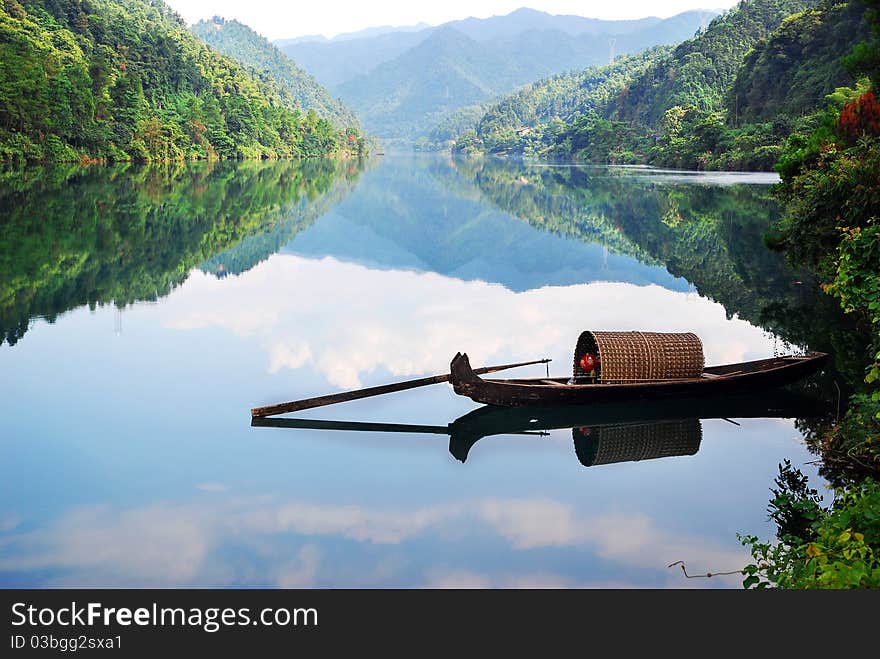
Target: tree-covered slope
(699, 71)
(125, 79)
(531, 119)
(710, 103)
(791, 72)
(242, 43)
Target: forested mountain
(792, 71)
(125, 79)
(242, 43)
(532, 119)
(402, 84)
(698, 72)
(334, 61)
(727, 98)
(450, 128)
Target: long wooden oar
(320, 401)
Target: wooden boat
(635, 365)
(625, 366)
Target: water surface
(146, 310)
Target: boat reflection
(603, 433)
(631, 442)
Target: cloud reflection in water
(412, 323)
(285, 542)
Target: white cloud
(160, 545)
(353, 522)
(532, 523)
(629, 538)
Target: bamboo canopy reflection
(632, 442)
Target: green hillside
(792, 71)
(242, 43)
(698, 72)
(726, 99)
(531, 120)
(445, 71)
(125, 80)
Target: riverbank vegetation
(116, 80)
(818, 547)
(832, 200)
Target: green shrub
(839, 548)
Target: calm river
(144, 311)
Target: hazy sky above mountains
(278, 20)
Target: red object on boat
(589, 362)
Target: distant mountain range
(348, 36)
(402, 81)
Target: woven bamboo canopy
(635, 356)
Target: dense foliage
(74, 236)
(781, 88)
(297, 87)
(699, 71)
(831, 224)
(836, 547)
(790, 72)
(125, 80)
(444, 134)
(531, 121)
